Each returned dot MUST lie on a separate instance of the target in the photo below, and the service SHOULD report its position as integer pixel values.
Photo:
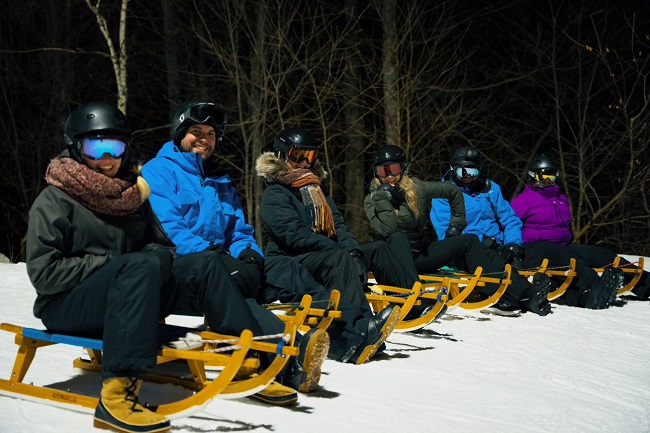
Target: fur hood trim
(270, 168)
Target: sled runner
(29, 340)
(636, 269)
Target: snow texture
(575, 371)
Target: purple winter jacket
(545, 214)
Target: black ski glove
(397, 195)
(515, 255)
(249, 255)
(361, 267)
(166, 257)
(452, 231)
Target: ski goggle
(203, 112)
(96, 147)
(543, 174)
(388, 170)
(298, 155)
(461, 171)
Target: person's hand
(143, 188)
(249, 255)
(396, 196)
(516, 254)
(165, 256)
(452, 231)
(361, 266)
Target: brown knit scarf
(312, 198)
(97, 192)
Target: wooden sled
(381, 296)
(29, 340)
(462, 285)
(635, 269)
(320, 318)
(248, 380)
(555, 273)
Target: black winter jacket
(66, 241)
(286, 220)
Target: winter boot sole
(370, 350)
(315, 355)
(104, 420)
(277, 394)
(542, 285)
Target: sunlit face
(391, 180)
(107, 165)
(201, 139)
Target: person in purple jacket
(546, 216)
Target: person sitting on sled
(546, 217)
(199, 209)
(307, 233)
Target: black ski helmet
(296, 137)
(467, 156)
(390, 154)
(98, 119)
(194, 112)
(542, 161)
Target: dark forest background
(514, 78)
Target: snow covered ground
(576, 371)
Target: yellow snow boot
(119, 409)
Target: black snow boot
(604, 292)
(535, 299)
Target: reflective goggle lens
(386, 170)
(298, 155)
(540, 175)
(97, 147)
(201, 113)
(461, 171)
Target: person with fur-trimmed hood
(306, 231)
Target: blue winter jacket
(486, 211)
(196, 211)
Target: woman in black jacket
(306, 233)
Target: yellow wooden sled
(462, 287)
(248, 380)
(381, 296)
(29, 340)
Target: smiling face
(200, 139)
(107, 165)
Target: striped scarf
(311, 194)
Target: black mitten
(452, 231)
(249, 255)
(515, 255)
(166, 257)
(397, 195)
